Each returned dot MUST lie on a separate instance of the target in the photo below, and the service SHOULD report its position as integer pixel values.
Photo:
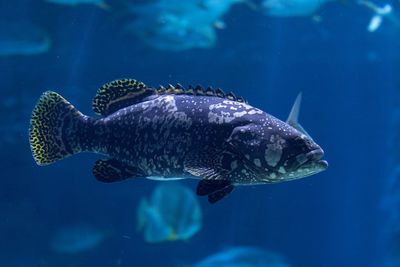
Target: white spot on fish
(234, 165)
(239, 114)
(273, 153)
(254, 111)
(257, 162)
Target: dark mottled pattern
(158, 134)
(51, 121)
(112, 170)
(181, 135)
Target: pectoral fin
(112, 170)
(220, 194)
(206, 187)
(216, 179)
(214, 189)
(205, 164)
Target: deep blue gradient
(348, 78)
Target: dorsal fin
(220, 93)
(293, 119)
(231, 96)
(119, 94)
(189, 91)
(179, 86)
(210, 91)
(198, 90)
(125, 92)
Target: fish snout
(315, 157)
(315, 154)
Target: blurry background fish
(292, 8)
(22, 38)
(179, 25)
(243, 257)
(99, 3)
(76, 238)
(172, 213)
(380, 13)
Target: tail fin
(54, 123)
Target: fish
(172, 132)
(292, 8)
(379, 14)
(172, 213)
(174, 25)
(22, 39)
(243, 257)
(76, 238)
(173, 33)
(100, 3)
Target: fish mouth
(314, 159)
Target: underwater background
(347, 69)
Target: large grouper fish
(173, 133)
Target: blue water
(349, 79)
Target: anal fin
(112, 170)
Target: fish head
(300, 156)
(277, 152)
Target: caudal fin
(53, 127)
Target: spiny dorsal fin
(119, 94)
(178, 90)
(198, 90)
(231, 96)
(219, 93)
(125, 92)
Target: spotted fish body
(170, 133)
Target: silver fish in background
(172, 213)
(291, 8)
(381, 13)
(243, 257)
(175, 133)
(177, 25)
